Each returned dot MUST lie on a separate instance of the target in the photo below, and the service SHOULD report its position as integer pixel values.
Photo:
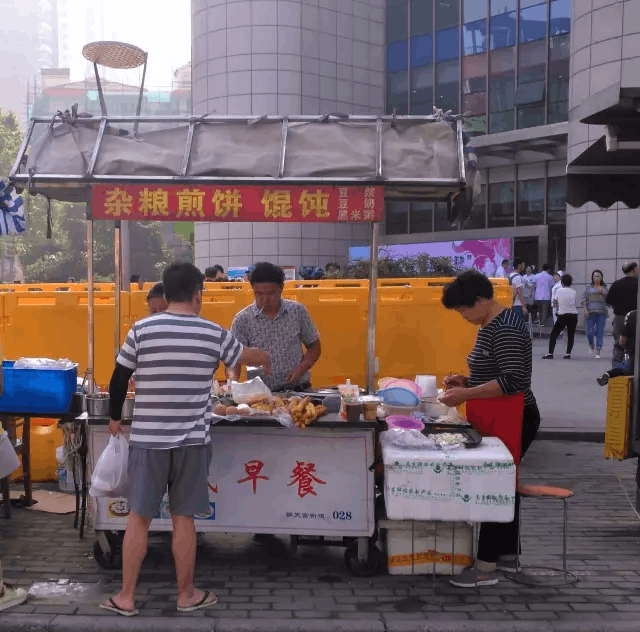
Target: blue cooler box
(37, 390)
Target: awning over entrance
(608, 171)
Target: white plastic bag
(109, 477)
(250, 391)
(407, 439)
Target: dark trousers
(618, 349)
(501, 538)
(570, 321)
(543, 311)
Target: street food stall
(265, 478)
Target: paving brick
(536, 616)
(55, 609)
(271, 614)
(312, 614)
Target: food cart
(265, 478)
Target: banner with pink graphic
(485, 255)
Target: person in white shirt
(557, 278)
(516, 281)
(565, 300)
(503, 271)
(544, 285)
(529, 279)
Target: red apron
(499, 417)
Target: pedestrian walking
(557, 277)
(517, 283)
(594, 302)
(529, 289)
(544, 285)
(565, 303)
(628, 341)
(174, 355)
(623, 298)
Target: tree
(10, 139)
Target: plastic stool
(540, 492)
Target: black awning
(612, 105)
(606, 177)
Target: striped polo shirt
(174, 357)
(503, 353)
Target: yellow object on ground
(45, 438)
(617, 431)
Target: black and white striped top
(503, 353)
(174, 357)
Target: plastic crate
(617, 431)
(37, 390)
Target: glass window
(499, 7)
(473, 10)
(474, 37)
(421, 218)
(531, 202)
(447, 86)
(474, 74)
(476, 125)
(478, 216)
(474, 89)
(530, 116)
(397, 56)
(502, 94)
(502, 90)
(528, 3)
(446, 13)
(558, 78)
(475, 103)
(533, 23)
(501, 204)
(528, 93)
(557, 248)
(556, 200)
(441, 217)
(533, 62)
(421, 16)
(447, 45)
(398, 92)
(503, 30)
(421, 50)
(560, 17)
(397, 20)
(422, 90)
(396, 218)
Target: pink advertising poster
(484, 255)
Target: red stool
(540, 492)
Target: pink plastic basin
(402, 421)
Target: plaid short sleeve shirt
(282, 336)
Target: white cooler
(465, 485)
(420, 548)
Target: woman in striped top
(499, 364)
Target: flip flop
(112, 606)
(208, 599)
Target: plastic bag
(44, 363)
(250, 391)
(408, 439)
(109, 476)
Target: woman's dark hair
(135, 278)
(468, 287)
(157, 291)
(181, 281)
(601, 275)
(265, 272)
(566, 280)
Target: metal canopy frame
(407, 188)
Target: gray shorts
(185, 471)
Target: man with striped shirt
(174, 355)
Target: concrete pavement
(312, 590)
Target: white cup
(428, 384)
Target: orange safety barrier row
(414, 332)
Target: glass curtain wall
(503, 63)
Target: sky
(160, 27)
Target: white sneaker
(590, 350)
(10, 596)
(597, 356)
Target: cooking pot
(98, 405)
(127, 408)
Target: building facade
(285, 57)
(605, 53)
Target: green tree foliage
(10, 139)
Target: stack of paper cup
(428, 384)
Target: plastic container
(45, 438)
(419, 548)
(402, 421)
(349, 393)
(370, 405)
(37, 390)
(428, 385)
(9, 461)
(399, 396)
(390, 409)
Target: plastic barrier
(54, 325)
(45, 438)
(340, 315)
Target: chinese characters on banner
(242, 203)
(303, 475)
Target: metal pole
(373, 294)
(103, 105)
(117, 286)
(125, 255)
(138, 109)
(90, 307)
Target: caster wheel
(372, 566)
(112, 559)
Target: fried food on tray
(304, 412)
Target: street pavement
(271, 589)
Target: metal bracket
(187, 149)
(96, 147)
(283, 146)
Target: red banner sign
(242, 203)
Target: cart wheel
(372, 566)
(111, 560)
